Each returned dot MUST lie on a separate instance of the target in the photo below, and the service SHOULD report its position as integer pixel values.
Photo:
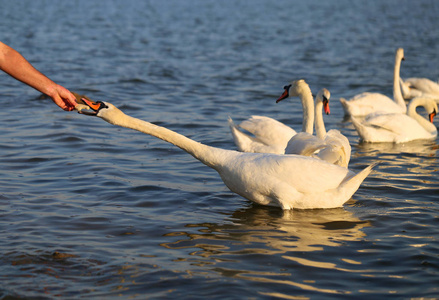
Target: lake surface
(93, 211)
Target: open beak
(326, 106)
(432, 115)
(285, 94)
(94, 107)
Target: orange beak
(326, 106)
(91, 104)
(432, 115)
(285, 94)
(94, 107)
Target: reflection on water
(426, 147)
(270, 236)
(274, 231)
(409, 166)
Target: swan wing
(267, 130)
(396, 123)
(304, 144)
(367, 103)
(423, 85)
(395, 128)
(337, 150)
(252, 144)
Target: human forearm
(13, 63)
(18, 67)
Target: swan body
(419, 87)
(399, 128)
(269, 135)
(287, 181)
(331, 146)
(367, 103)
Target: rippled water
(88, 210)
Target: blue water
(93, 211)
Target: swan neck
(318, 120)
(397, 94)
(308, 111)
(210, 156)
(411, 112)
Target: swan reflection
(421, 147)
(266, 230)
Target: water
(89, 210)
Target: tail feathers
(345, 105)
(351, 184)
(242, 140)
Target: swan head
(295, 89)
(399, 54)
(430, 106)
(103, 110)
(323, 96)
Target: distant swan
(287, 181)
(399, 128)
(269, 135)
(331, 146)
(367, 103)
(419, 87)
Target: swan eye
(287, 87)
(101, 105)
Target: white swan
(367, 103)
(269, 135)
(399, 128)
(419, 87)
(331, 146)
(287, 181)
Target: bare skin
(14, 64)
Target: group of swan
(279, 167)
(287, 181)
(386, 120)
(271, 136)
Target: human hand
(63, 98)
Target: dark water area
(89, 210)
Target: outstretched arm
(18, 67)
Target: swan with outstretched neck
(331, 146)
(287, 181)
(366, 103)
(399, 128)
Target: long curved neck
(411, 111)
(308, 110)
(208, 155)
(397, 94)
(318, 120)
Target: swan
(287, 181)
(367, 103)
(331, 146)
(419, 87)
(271, 136)
(399, 128)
